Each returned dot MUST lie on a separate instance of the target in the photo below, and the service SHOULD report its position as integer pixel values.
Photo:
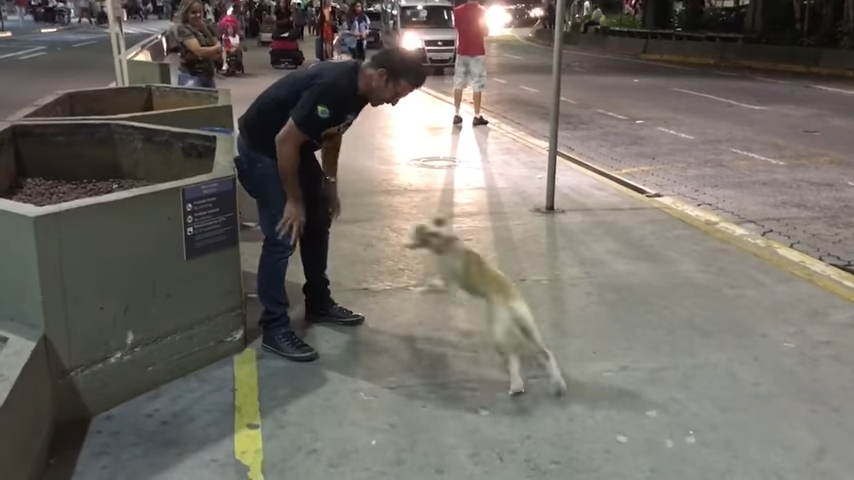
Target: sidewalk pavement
(687, 358)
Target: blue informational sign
(209, 212)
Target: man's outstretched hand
(292, 221)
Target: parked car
(374, 39)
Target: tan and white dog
(513, 329)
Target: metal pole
(554, 114)
(123, 60)
(114, 41)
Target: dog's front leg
(435, 285)
(514, 368)
(452, 288)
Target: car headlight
(411, 41)
(497, 18)
(536, 12)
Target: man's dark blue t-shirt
(322, 98)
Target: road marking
(719, 99)
(514, 57)
(835, 90)
(500, 80)
(728, 74)
(567, 100)
(611, 114)
(83, 44)
(22, 52)
(674, 132)
(772, 80)
(781, 256)
(37, 54)
(529, 89)
(248, 441)
(758, 157)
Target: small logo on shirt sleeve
(322, 111)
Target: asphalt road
(36, 65)
(771, 152)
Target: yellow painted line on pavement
(248, 441)
(817, 272)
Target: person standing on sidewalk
(21, 10)
(470, 68)
(297, 198)
(359, 25)
(200, 49)
(299, 19)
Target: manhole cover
(434, 162)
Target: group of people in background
(202, 45)
(583, 13)
(328, 22)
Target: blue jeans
(259, 176)
(187, 80)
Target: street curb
(542, 145)
(763, 66)
(781, 256)
(712, 62)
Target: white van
(426, 26)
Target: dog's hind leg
(528, 327)
(500, 323)
(547, 359)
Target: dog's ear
(440, 222)
(418, 236)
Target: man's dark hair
(400, 64)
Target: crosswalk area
(75, 38)
(144, 28)
(67, 42)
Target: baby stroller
(284, 49)
(233, 56)
(233, 64)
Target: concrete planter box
(26, 406)
(164, 105)
(105, 278)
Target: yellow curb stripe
(248, 441)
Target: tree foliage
(804, 22)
